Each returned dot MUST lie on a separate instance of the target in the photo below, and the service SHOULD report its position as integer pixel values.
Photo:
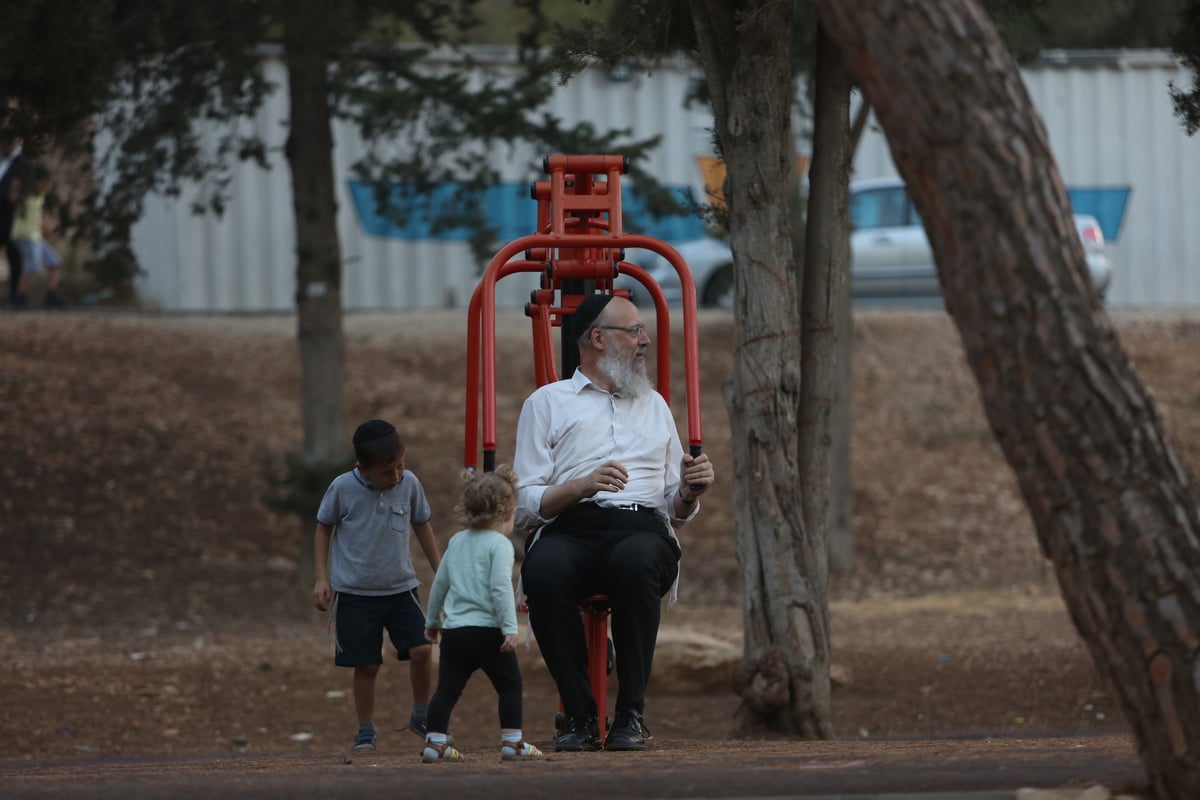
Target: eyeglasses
(636, 331)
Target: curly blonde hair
(488, 497)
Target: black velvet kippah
(371, 430)
(588, 310)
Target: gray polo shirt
(371, 529)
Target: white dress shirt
(570, 427)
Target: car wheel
(718, 292)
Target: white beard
(628, 376)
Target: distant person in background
(13, 169)
(29, 231)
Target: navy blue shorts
(361, 620)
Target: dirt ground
(152, 606)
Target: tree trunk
(825, 321)
(318, 252)
(1109, 497)
(745, 48)
(841, 538)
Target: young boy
(368, 577)
(473, 613)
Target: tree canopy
(162, 93)
(1187, 47)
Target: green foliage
(140, 73)
(163, 90)
(1031, 26)
(438, 128)
(634, 32)
(504, 21)
(170, 87)
(55, 61)
(638, 35)
(1187, 47)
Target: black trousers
(464, 650)
(589, 550)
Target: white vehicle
(890, 255)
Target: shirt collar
(580, 381)
(366, 484)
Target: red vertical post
(595, 622)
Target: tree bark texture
(318, 252)
(746, 52)
(825, 319)
(1109, 497)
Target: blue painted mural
(509, 207)
(514, 213)
(1106, 203)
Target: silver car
(891, 260)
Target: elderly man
(604, 481)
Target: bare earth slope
(153, 606)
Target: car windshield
(879, 208)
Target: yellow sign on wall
(712, 171)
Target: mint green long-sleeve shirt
(473, 586)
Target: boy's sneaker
(439, 752)
(364, 743)
(520, 751)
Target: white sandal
(439, 752)
(520, 751)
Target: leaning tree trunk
(1109, 496)
(318, 253)
(745, 49)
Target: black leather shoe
(628, 732)
(581, 733)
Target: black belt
(591, 509)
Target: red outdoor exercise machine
(579, 249)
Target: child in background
(472, 611)
(364, 570)
(29, 233)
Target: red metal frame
(578, 243)
(481, 331)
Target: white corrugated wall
(1111, 123)
(243, 261)
(1108, 115)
